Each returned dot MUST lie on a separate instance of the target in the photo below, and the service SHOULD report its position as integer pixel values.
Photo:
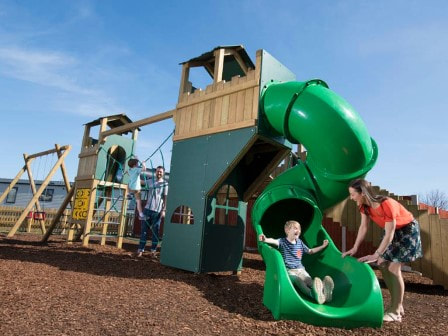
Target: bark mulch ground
(61, 289)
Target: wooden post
(88, 220)
(106, 215)
(63, 170)
(121, 226)
(219, 65)
(85, 138)
(184, 79)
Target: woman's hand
(350, 252)
(368, 258)
(381, 261)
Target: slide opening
(274, 218)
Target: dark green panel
(196, 165)
(272, 70)
(222, 150)
(182, 243)
(224, 244)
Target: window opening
(12, 195)
(182, 215)
(226, 209)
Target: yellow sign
(81, 206)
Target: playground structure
(228, 138)
(38, 215)
(100, 187)
(219, 150)
(226, 144)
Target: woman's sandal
(389, 311)
(391, 317)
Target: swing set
(33, 211)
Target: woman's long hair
(362, 186)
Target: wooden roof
(113, 121)
(231, 65)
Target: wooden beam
(240, 61)
(64, 171)
(103, 125)
(219, 65)
(51, 151)
(12, 184)
(58, 215)
(85, 141)
(184, 78)
(209, 68)
(136, 124)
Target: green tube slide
(339, 149)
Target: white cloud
(56, 70)
(45, 68)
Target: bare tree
(435, 198)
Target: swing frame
(62, 152)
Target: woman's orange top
(389, 210)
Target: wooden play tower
(98, 185)
(222, 153)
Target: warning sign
(81, 205)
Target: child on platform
(134, 184)
(292, 249)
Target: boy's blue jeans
(152, 222)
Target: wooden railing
(221, 107)
(10, 215)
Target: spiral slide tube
(339, 150)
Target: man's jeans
(152, 222)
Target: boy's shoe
(318, 290)
(139, 254)
(328, 288)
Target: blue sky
(65, 63)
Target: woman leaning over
(400, 242)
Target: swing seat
(40, 215)
(30, 215)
